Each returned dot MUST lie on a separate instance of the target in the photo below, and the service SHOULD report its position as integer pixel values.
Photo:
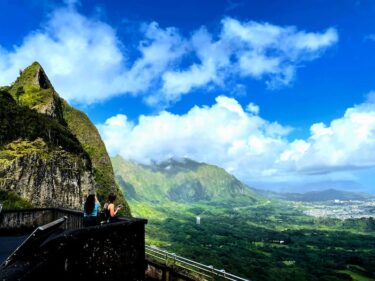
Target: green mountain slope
(179, 181)
(87, 134)
(239, 230)
(50, 153)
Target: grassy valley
(243, 231)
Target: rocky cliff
(51, 155)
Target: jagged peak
(33, 89)
(34, 75)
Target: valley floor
(267, 241)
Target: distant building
(198, 220)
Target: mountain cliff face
(51, 155)
(179, 181)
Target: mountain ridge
(329, 194)
(182, 180)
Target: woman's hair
(90, 204)
(111, 198)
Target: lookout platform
(57, 247)
(52, 244)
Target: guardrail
(189, 268)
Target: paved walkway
(8, 244)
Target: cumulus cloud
(253, 108)
(81, 56)
(224, 134)
(244, 143)
(347, 143)
(85, 59)
(247, 49)
(87, 62)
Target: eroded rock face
(56, 179)
(51, 154)
(51, 104)
(42, 80)
(52, 108)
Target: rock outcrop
(51, 155)
(46, 177)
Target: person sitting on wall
(90, 212)
(110, 210)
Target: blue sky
(278, 94)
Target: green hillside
(87, 134)
(239, 230)
(179, 181)
(47, 147)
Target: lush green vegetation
(11, 201)
(242, 231)
(80, 125)
(180, 181)
(31, 112)
(245, 240)
(21, 122)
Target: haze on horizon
(281, 96)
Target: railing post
(212, 272)
(174, 261)
(223, 271)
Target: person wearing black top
(110, 210)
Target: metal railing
(184, 266)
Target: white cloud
(245, 144)
(224, 134)
(274, 51)
(82, 57)
(247, 49)
(87, 62)
(348, 143)
(253, 108)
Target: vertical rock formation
(51, 155)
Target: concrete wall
(26, 220)
(114, 251)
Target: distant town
(340, 209)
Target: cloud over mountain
(244, 143)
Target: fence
(188, 268)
